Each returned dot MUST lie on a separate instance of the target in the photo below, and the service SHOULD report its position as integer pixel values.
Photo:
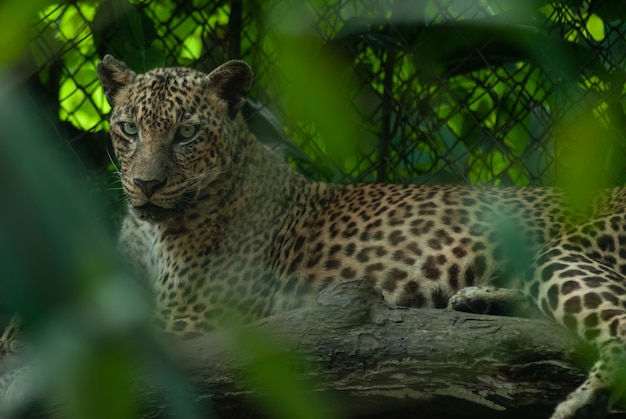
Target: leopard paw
(486, 300)
(584, 404)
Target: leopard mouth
(155, 213)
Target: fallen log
(356, 356)
(373, 359)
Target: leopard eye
(186, 132)
(129, 128)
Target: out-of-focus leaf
(16, 17)
(270, 132)
(460, 47)
(40, 221)
(587, 158)
(278, 377)
(320, 86)
(608, 10)
(60, 272)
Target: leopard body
(218, 224)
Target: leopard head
(173, 131)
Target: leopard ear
(113, 76)
(231, 81)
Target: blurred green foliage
(280, 375)
(59, 265)
(15, 15)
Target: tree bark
(374, 359)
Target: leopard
(218, 224)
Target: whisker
(196, 184)
(112, 160)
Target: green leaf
(16, 20)
(278, 376)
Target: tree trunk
(374, 359)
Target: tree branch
(375, 358)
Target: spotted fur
(217, 224)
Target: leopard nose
(149, 187)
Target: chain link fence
(429, 91)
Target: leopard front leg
(580, 288)
(594, 397)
